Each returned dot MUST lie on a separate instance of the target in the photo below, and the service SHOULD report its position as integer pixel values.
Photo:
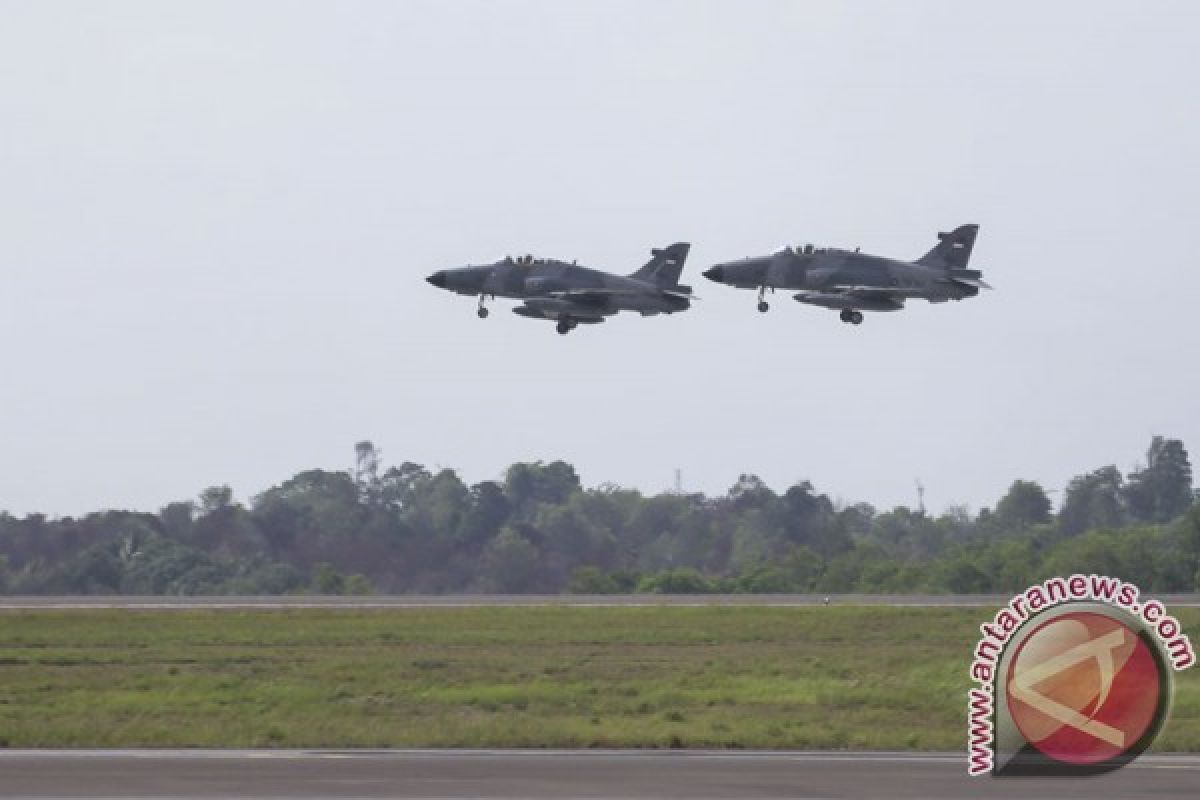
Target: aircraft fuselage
(829, 269)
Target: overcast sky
(215, 218)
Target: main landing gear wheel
(564, 326)
(482, 312)
(853, 317)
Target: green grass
(849, 677)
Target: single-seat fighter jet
(570, 294)
(853, 282)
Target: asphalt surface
(581, 600)
(512, 774)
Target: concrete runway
(580, 600)
(512, 774)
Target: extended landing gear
(564, 326)
(481, 312)
(851, 316)
(763, 305)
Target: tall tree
(215, 498)
(1024, 506)
(488, 511)
(529, 484)
(177, 520)
(401, 485)
(809, 519)
(366, 471)
(1163, 489)
(749, 492)
(1093, 501)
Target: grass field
(848, 677)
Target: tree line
(407, 529)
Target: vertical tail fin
(953, 249)
(665, 265)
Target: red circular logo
(1084, 688)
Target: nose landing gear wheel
(482, 312)
(564, 327)
(763, 306)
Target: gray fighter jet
(572, 295)
(853, 282)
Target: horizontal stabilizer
(967, 277)
(959, 274)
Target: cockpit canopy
(525, 260)
(800, 250)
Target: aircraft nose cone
(714, 274)
(438, 279)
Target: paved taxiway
(479, 600)
(444, 774)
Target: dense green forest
(406, 529)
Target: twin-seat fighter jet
(572, 295)
(853, 282)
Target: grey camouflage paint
(852, 282)
(571, 294)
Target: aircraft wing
(556, 308)
(598, 297)
(590, 297)
(597, 293)
(894, 293)
(865, 298)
